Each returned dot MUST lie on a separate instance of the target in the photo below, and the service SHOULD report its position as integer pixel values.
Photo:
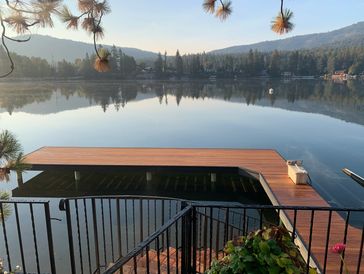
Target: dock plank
(268, 163)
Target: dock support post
(77, 179)
(149, 176)
(19, 177)
(77, 176)
(213, 177)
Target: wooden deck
(267, 164)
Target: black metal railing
(164, 251)
(103, 229)
(207, 227)
(133, 234)
(26, 237)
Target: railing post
(96, 238)
(50, 238)
(194, 240)
(186, 266)
(65, 205)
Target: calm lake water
(321, 123)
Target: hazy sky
(160, 25)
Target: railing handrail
(142, 245)
(136, 197)
(11, 201)
(219, 204)
(244, 206)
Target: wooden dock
(267, 165)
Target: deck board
(268, 163)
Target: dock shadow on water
(196, 185)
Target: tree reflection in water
(319, 95)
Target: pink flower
(338, 248)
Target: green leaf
(274, 270)
(312, 271)
(264, 247)
(248, 258)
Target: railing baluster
(162, 221)
(360, 250)
(141, 220)
(211, 235)
(177, 247)
(135, 266)
(147, 258)
(158, 256)
(119, 233)
(20, 237)
(111, 232)
(155, 215)
(96, 236)
(247, 225)
(344, 241)
(87, 235)
(35, 238)
(169, 209)
(327, 240)
(168, 258)
(148, 219)
(205, 240)
(126, 226)
(294, 224)
(47, 215)
(232, 225)
(118, 224)
(133, 221)
(194, 239)
(79, 234)
(261, 218)
(103, 230)
(226, 230)
(199, 245)
(218, 234)
(244, 223)
(310, 242)
(5, 236)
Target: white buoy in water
(271, 91)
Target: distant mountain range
(55, 49)
(349, 36)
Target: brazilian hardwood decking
(268, 164)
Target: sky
(168, 25)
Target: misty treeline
(314, 62)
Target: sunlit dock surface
(266, 165)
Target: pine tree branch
(18, 40)
(3, 36)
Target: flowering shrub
(269, 250)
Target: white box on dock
(297, 173)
